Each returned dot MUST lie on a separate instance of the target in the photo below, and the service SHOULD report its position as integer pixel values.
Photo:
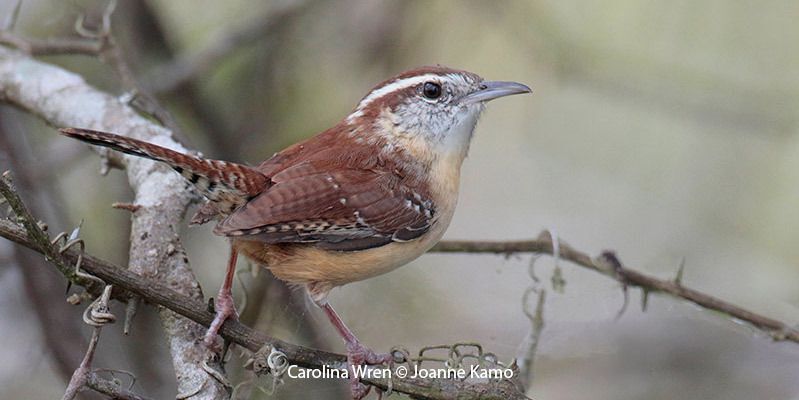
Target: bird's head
(433, 107)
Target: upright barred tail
(228, 185)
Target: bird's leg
(357, 353)
(354, 347)
(223, 305)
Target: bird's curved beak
(490, 90)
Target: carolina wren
(360, 199)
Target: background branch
(607, 264)
(186, 68)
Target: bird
(366, 196)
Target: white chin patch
(460, 135)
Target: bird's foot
(357, 355)
(225, 309)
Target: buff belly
(321, 270)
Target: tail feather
(227, 184)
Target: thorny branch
(156, 293)
(41, 241)
(608, 264)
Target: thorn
(609, 257)
(81, 29)
(109, 10)
(678, 277)
(779, 335)
(531, 268)
(105, 28)
(625, 303)
(128, 97)
(130, 313)
(126, 206)
(644, 299)
(105, 161)
(558, 283)
(75, 232)
(211, 304)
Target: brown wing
(340, 209)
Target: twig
(196, 310)
(529, 346)
(81, 374)
(778, 330)
(97, 315)
(137, 95)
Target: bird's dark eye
(431, 90)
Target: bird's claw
(358, 354)
(225, 309)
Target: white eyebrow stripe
(397, 85)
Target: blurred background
(667, 131)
